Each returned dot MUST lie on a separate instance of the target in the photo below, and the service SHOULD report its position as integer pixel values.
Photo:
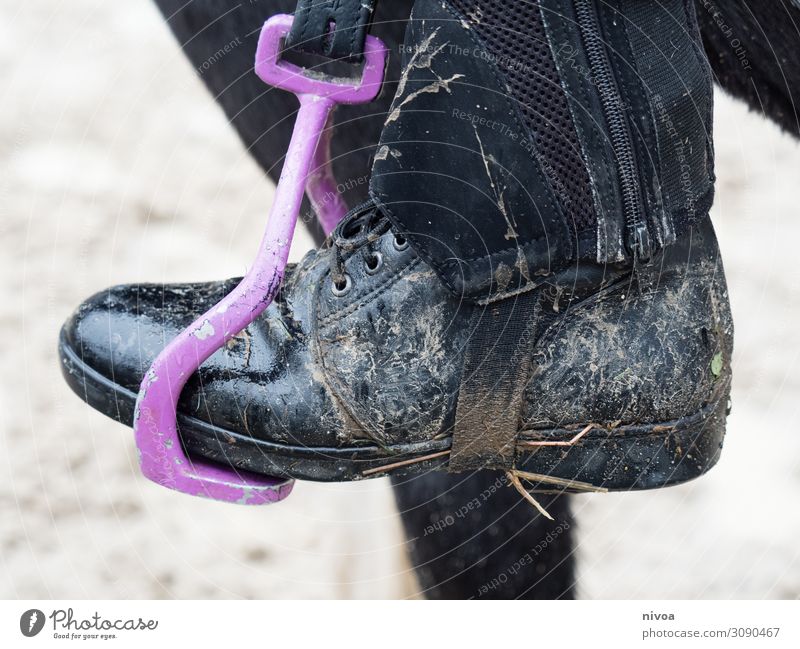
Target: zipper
(638, 236)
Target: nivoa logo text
(68, 626)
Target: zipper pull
(639, 243)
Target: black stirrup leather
(333, 28)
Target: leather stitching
(310, 30)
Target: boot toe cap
(262, 384)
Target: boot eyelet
(373, 263)
(340, 289)
(400, 242)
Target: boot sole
(630, 457)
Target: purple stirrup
(306, 168)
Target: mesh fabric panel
(514, 34)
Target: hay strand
(514, 480)
(397, 465)
(570, 442)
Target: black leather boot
(488, 308)
(341, 378)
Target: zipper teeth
(609, 97)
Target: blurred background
(116, 166)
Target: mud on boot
(557, 308)
(340, 378)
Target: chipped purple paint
(162, 457)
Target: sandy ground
(116, 167)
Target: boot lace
(360, 228)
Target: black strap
(496, 369)
(311, 31)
